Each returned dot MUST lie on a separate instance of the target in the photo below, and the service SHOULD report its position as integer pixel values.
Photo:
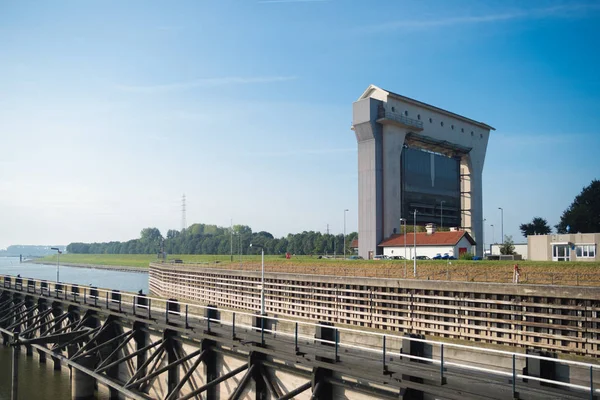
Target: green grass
(142, 260)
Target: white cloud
(560, 11)
(204, 82)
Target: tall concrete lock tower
(414, 156)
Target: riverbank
(122, 268)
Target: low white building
(520, 249)
(430, 243)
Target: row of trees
(583, 215)
(212, 239)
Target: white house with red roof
(429, 243)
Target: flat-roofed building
(563, 247)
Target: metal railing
(403, 119)
(374, 345)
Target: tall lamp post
(483, 237)
(403, 221)
(501, 224)
(262, 277)
(57, 262)
(493, 234)
(415, 245)
(345, 211)
(442, 214)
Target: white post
(262, 278)
(415, 245)
(345, 233)
(58, 266)
(501, 224)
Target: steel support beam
(79, 353)
(159, 371)
(103, 328)
(102, 368)
(213, 383)
(143, 367)
(173, 393)
(295, 392)
(240, 389)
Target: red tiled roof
(354, 244)
(423, 239)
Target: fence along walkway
(450, 360)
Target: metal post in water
(15, 368)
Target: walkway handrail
(110, 297)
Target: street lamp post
(57, 262)
(345, 211)
(501, 224)
(415, 245)
(493, 234)
(262, 278)
(442, 214)
(403, 220)
(483, 237)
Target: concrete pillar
(57, 364)
(370, 175)
(393, 141)
(82, 384)
(42, 357)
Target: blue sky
(111, 110)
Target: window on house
(585, 251)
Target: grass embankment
(539, 272)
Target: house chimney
(453, 229)
(430, 229)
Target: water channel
(38, 381)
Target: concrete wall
(536, 316)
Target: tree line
(213, 239)
(583, 215)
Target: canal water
(38, 381)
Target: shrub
(466, 256)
